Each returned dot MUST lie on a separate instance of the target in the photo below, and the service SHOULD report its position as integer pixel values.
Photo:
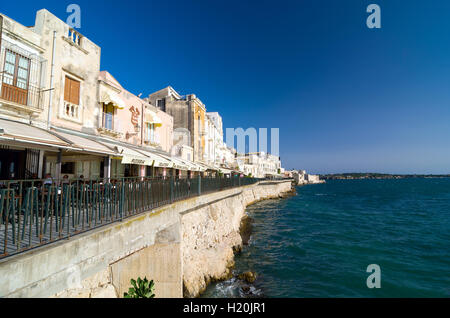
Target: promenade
(33, 214)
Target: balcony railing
(74, 37)
(37, 212)
(153, 141)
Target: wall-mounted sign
(135, 115)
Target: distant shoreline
(379, 176)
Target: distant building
(312, 178)
(188, 112)
(260, 164)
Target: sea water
(320, 242)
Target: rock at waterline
(247, 291)
(288, 194)
(246, 229)
(249, 277)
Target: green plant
(141, 289)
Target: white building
(209, 155)
(259, 164)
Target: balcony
(75, 39)
(109, 132)
(21, 78)
(153, 141)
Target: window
(71, 98)
(15, 78)
(108, 116)
(161, 103)
(150, 133)
(72, 91)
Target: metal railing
(37, 212)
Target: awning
(195, 166)
(12, 131)
(158, 160)
(182, 164)
(204, 166)
(209, 167)
(225, 171)
(109, 97)
(177, 163)
(151, 118)
(85, 144)
(129, 155)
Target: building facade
(260, 164)
(188, 112)
(61, 116)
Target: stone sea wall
(211, 234)
(181, 246)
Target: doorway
(12, 164)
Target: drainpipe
(1, 30)
(52, 76)
(143, 171)
(142, 123)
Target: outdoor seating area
(39, 211)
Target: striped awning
(158, 160)
(109, 97)
(178, 164)
(85, 144)
(225, 171)
(128, 154)
(15, 132)
(151, 118)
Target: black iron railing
(37, 212)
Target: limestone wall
(210, 235)
(188, 242)
(83, 266)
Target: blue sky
(346, 98)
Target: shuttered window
(72, 91)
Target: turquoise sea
(320, 242)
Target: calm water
(319, 243)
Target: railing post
(122, 200)
(199, 184)
(171, 188)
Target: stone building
(49, 80)
(60, 115)
(260, 164)
(218, 146)
(126, 118)
(188, 112)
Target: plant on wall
(143, 288)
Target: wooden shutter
(75, 92)
(67, 89)
(72, 91)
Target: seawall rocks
(210, 235)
